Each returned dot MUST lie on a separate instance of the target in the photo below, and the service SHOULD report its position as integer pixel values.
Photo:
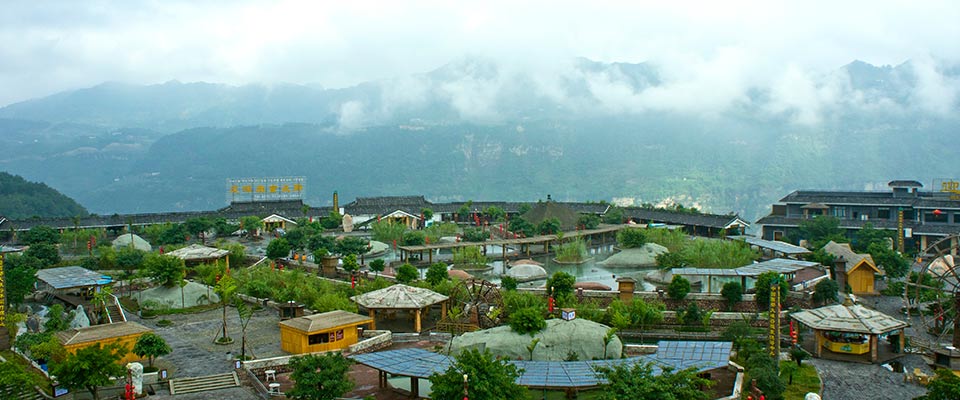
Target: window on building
(840, 212)
(779, 209)
(934, 217)
(777, 235)
(319, 338)
(883, 213)
(956, 218)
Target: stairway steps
(203, 383)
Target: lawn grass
(805, 380)
(39, 379)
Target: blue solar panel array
(420, 363)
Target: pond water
(590, 271)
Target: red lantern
(937, 212)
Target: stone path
(853, 381)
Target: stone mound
(193, 295)
(459, 274)
(644, 256)
(527, 273)
(560, 339)
(591, 286)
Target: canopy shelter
(401, 297)
(775, 247)
(334, 330)
(678, 355)
(197, 254)
(851, 329)
(67, 279)
(133, 241)
(125, 333)
(275, 221)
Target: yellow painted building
(334, 330)
(856, 270)
(125, 333)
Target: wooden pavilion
(334, 330)
(401, 297)
(855, 270)
(197, 254)
(849, 330)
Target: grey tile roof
(671, 217)
(855, 318)
(779, 265)
(326, 321)
(400, 297)
(775, 245)
(98, 333)
(69, 277)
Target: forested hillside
(22, 199)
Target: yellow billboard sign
(265, 189)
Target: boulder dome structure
(558, 341)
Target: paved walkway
(853, 381)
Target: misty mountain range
(477, 129)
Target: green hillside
(22, 199)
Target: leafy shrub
(733, 292)
(679, 288)
(508, 282)
(407, 273)
(631, 238)
(528, 320)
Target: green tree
(250, 224)
(464, 211)
(893, 264)
(407, 273)
(475, 235)
(519, 225)
(549, 226)
(90, 367)
(737, 332)
(670, 260)
(332, 221)
(106, 257)
(151, 345)
(613, 216)
(733, 292)
(57, 319)
(638, 382)
(488, 378)
(45, 252)
(226, 289)
(588, 221)
(278, 248)
(320, 377)
(821, 229)
(198, 227)
(388, 231)
(527, 320)
(798, 354)
(40, 234)
(946, 386)
(19, 277)
(826, 292)
(14, 376)
(414, 238)
(350, 263)
(494, 214)
(351, 245)
(631, 238)
(377, 266)
(166, 270)
(679, 288)
(764, 282)
(437, 273)
(508, 282)
(868, 235)
(561, 284)
(427, 214)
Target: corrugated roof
(69, 277)
(779, 265)
(196, 252)
(855, 318)
(775, 245)
(96, 333)
(326, 321)
(399, 296)
(678, 355)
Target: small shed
(131, 240)
(198, 254)
(401, 297)
(275, 221)
(856, 270)
(334, 330)
(64, 280)
(853, 330)
(290, 309)
(124, 333)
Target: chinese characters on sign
(3, 299)
(265, 189)
(774, 337)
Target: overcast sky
(50, 46)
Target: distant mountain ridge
(22, 199)
(475, 129)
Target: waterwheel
(480, 301)
(936, 291)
